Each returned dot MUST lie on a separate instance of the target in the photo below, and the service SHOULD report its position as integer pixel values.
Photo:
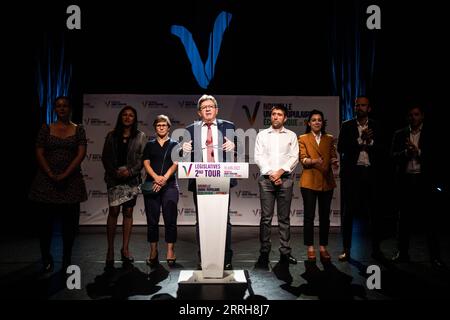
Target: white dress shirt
(414, 164)
(363, 159)
(276, 149)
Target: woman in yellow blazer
(318, 157)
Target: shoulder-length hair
(118, 129)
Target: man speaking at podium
(211, 140)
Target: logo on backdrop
(115, 104)
(96, 122)
(251, 118)
(151, 104)
(187, 104)
(246, 194)
(203, 72)
(97, 194)
(93, 157)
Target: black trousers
(417, 209)
(359, 195)
(228, 251)
(69, 214)
(167, 201)
(310, 197)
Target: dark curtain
(352, 54)
(53, 73)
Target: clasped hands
(275, 177)
(57, 177)
(159, 182)
(367, 135)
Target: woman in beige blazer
(318, 157)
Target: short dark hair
(416, 106)
(363, 96)
(281, 107)
(324, 122)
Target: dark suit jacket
(400, 156)
(225, 129)
(349, 148)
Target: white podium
(213, 190)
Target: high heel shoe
(109, 265)
(325, 256)
(152, 262)
(311, 255)
(171, 262)
(124, 258)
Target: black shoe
(287, 258)
(263, 261)
(228, 266)
(438, 264)
(400, 257)
(109, 265)
(124, 258)
(152, 262)
(171, 262)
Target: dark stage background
(273, 48)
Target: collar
(317, 135)
(213, 123)
(420, 128)
(362, 125)
(282, 130)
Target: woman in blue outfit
(160, 171)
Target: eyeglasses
(207, 107)
(161, 125)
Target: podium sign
(213, 190)
(188, 170)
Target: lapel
(313, 142)
(198, 152)
(355, 132)
(220, 135)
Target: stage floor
(20, 264)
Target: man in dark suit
(359, 147)
(411, 152)
(210, 140)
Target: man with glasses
(210, 140)
(359, 147)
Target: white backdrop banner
(249, 113)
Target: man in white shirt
(276, 154)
